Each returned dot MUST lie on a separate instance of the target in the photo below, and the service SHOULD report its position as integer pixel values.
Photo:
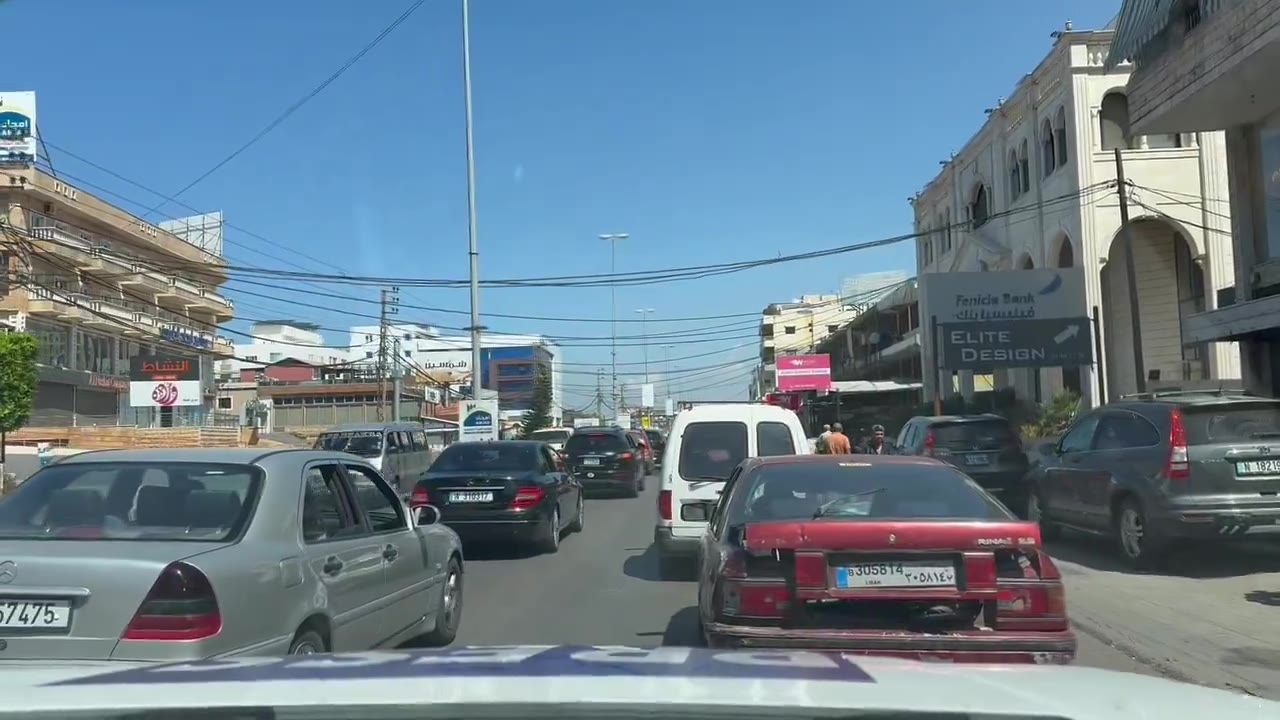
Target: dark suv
(1153, 469)
(605, 458)
(986, 447)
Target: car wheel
(1139, 545)
(449, 614)
(307, 643)
(1035, 513)
(579, 517)
(550, 540)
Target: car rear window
(550, 435)
(852, 490)
(481, 457)
(193, 502)
(711, 450)
(774, 438)
(364, 443)
(1231, 422)
(654, 435)
(990, 434)
(581, 443)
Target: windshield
(654, 435)
(862, 491)
(711, 450)
(1231, 422)
(131, 501)
(365, 443)
(479, 457)
(550, 435)
(991, 434)
(581, 443)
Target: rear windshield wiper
(822, 509)
(706, 478)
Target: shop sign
(186, 336)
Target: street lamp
(666, 369)
(473, 249)
(612, 239)
(644, 334)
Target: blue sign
(14, 126)
(184, 336)
(504, 661)
(478, 418)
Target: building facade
(1036, 187)
(1199, 66)
(97, 287)
(796, 328)
(273, 341)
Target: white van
(705, 444)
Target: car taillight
(625, 456)
(811, 570)
(180, 606)
(1177, 466)
(1035, 601)
(664, 505)
(526, 498)
(747, 596)
(928, 442)
(419, 497)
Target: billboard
(19, 139)
(203, 231)
(166, 393)
(646, 395)
(798, 373)
(170, 368)
(444, 366)
(478, 420)
(1008, 319)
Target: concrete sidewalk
(1212, 619)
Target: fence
(126, 437)
(133, 417)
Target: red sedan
(878, 555)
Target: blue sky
(710, 130)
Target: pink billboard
(797, 373)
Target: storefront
(77, 398)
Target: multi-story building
(865, 290)
(274, 340)
(97, 286)
(1198, 66)
(796, 328)
(1036, 188)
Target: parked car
(605, 459)
(879, 555)
(398, 450)
(1151, 470)
(986, 447)
(152, 555)
(514, 491)
(658, 441)
(555, 437)
(646, 449)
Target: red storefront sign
(798, 373)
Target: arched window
(946, 237)
(1114, 120)
(1015, 177)
(941, 233)
(978, 210)
(1047, 159)
(1060, 135)
(926, 248)
(1024, 166)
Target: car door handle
(332, 566)
(390, 552)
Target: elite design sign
(1065, 342)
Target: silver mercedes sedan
(163, 555)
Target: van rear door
(708, 452)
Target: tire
(1049, 531)
(449, 614)
(307, 642)
(579, 518)
(549, 542)
(1143, 551)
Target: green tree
(18, 379)
(538, 416)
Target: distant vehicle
(555, 437)
(605, 458)
(151, 555)
(657, 441)
(1149, 471)
(646, 450)
(985, 447)
(514, 491)
(880, 555)
(706, 443)
(397, 450)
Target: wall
(114, 438)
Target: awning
(1140, 21)
(1233, 322)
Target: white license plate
(1258, 467)
(590, 461)
(977, 459)
(896, 575)
(35, 614)
(470, 497)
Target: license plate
(895, 575)
(590, 461)
(470, 497)
(977, 459)
(35, 614)
(1258, 467)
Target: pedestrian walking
(820, 446)
(838, 442)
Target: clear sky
(709, 130)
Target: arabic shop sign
(186, 336)
(18, 138)
(967, 297)
(155, 368)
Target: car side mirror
(1049, 448)
(424, 515)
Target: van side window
(420, 439)
(774, 438)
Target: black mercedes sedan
(505, 491)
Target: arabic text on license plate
(590, 461)
(470, 497)
(977, 459)
(1258, 467)
(895, 575)
(35, 614)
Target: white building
(1036, 187)
(796, 328)
(1205, 65)
(276, 340)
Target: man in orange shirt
(837, 442)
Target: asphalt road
(602, 588)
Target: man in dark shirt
(875, 445)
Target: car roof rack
(1173, 392)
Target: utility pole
(1130, 273)
(473, 246)
(396, 384)
(389, 304)
(599, 396)
(613, 239)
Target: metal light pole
(473, 249)
(613, 239)
(644, 332)
(666, 368)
